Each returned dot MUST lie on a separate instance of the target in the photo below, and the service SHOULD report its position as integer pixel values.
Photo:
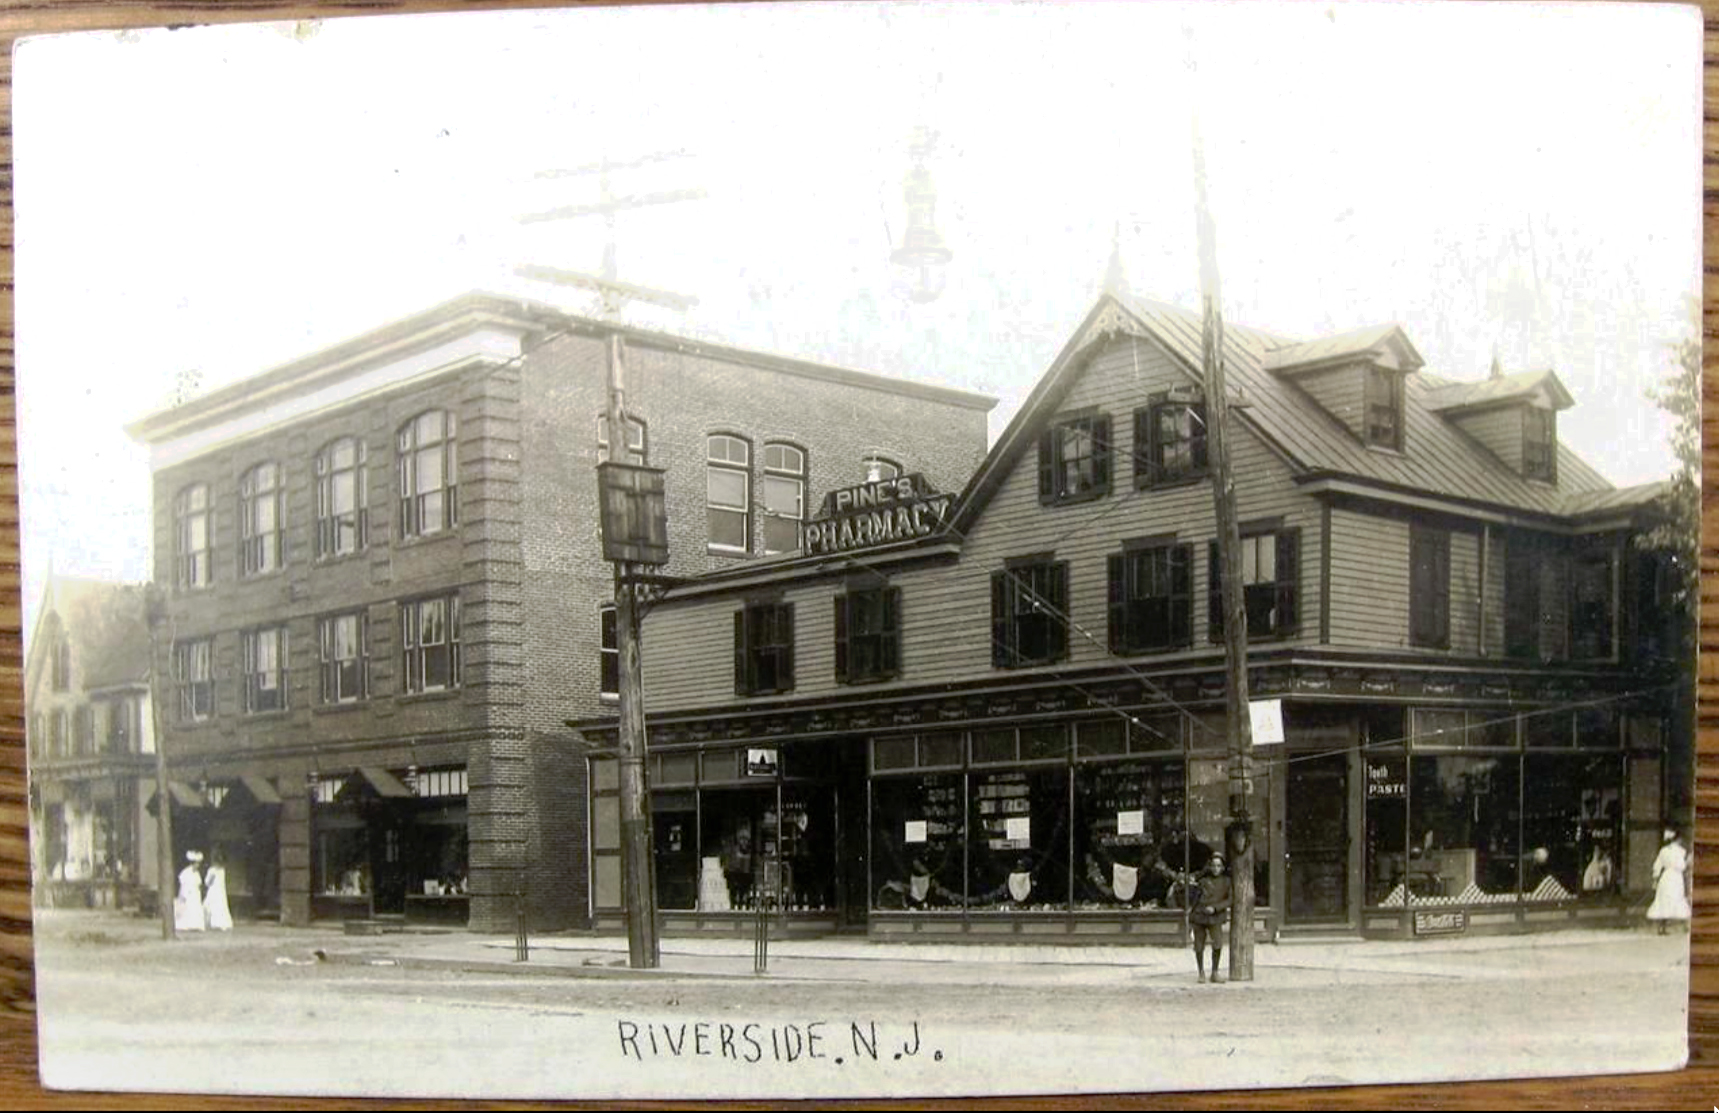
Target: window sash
(1029, 606)
(342, 513)
(609, 671)
(193, 665)
(1074, 459)
(429, 475)
(265, 654)
(344, 647)
(430, 640)
(192, 533)
(1271, 589)
(1151, 599)
(764, 648)
(1539, 444)
(868, 643)
(1384, 408)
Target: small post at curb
(521, 942)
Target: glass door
(1316, 830)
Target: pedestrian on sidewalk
(1208, 911)
(216, 915)
(188, 907)
(1670, 882)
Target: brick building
(388, 593)
(87, 717)
(1013, 725)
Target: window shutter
(1143, 446)
(741, 682)
(1118, 601)
(891, 631)
(1181, 595)
(785, 615)
(1441, 590)
(842, 637)
(1047, 466)
(1101, 452)
(1058, 599)
(1000, 625)
(1288, 581)
(1215, 595)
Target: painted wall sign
(1385, 781)
(1453, 922)
(760, 763)
(876, 513)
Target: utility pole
(155, 608)
(638, 860)
(1238, 725)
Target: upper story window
(764, 649)
(880, 467)
(343, 649)
(430, 644)
(1270, 562)
(1592, 590)
(868, 634)
(1429, 587)
(1151, 596)
(123, 725)
(1169, 441)
(1540, 444)
(728, 493)
(192, 537)
(62, 739)
(637, 446)
(784, 497)
(265, 665)
(1029, 612)
(1522, 615)
(62, 662)
(609, 670)
(1074, 459)
(194, 676)
(429, 474)
(83, 728)
(1384, 408)
(260, 520)
(342, 498)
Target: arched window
(192, 537)
(342, 502)
(728, 497)
(784, 497)
(429, 474)
(260, 520)
(880, 467)
(637, 447)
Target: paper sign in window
(1018, 828)
(915, 831)
(1130, 823)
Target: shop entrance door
(387, 867)
(1316, 830)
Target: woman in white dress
(188, 906)
(1670, 880)
(215, 911)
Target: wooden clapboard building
(1011, 724)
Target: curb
(557, 970)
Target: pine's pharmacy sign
(876, 513)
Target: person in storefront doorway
(1208, 911)
(737, 865)
(1670, 883)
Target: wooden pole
(637, 872)
(163, 797)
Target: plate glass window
(342, 511)
(784, 497)
(429, 474)
(728, 498)
(260, 520)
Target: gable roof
(1344, 347)
(1451, 397)
(106, 624)
(1439, 459)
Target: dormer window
(1540, 444)
(1384, 408)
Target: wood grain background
(1693, 1087)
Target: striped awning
(385, 783)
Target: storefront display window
(1393, 872)
(1125, 816)
(1018, 856)
(737, 830)
(1464, 816)
(342, 860)
(1572, 827)
(674, 826)
(918, 838)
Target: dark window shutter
(785, 615)
(891, 631)
(842, 637)
(1215, 595)
(1058, 598)
(741, 684)
(1441, 590)
(1143, 445)
(1288, 580)
(1116, 567)
(1102, 454)
(1000, 620)
(1181, 595)
(1047, 466)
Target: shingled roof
(1447, 396)
(107, 627)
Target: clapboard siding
(1500, 430)
(1370, 585)
(946, 608)
(1340, 392)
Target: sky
(1513, 179)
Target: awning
(260, 788)
(384, 782)
(184, 796)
